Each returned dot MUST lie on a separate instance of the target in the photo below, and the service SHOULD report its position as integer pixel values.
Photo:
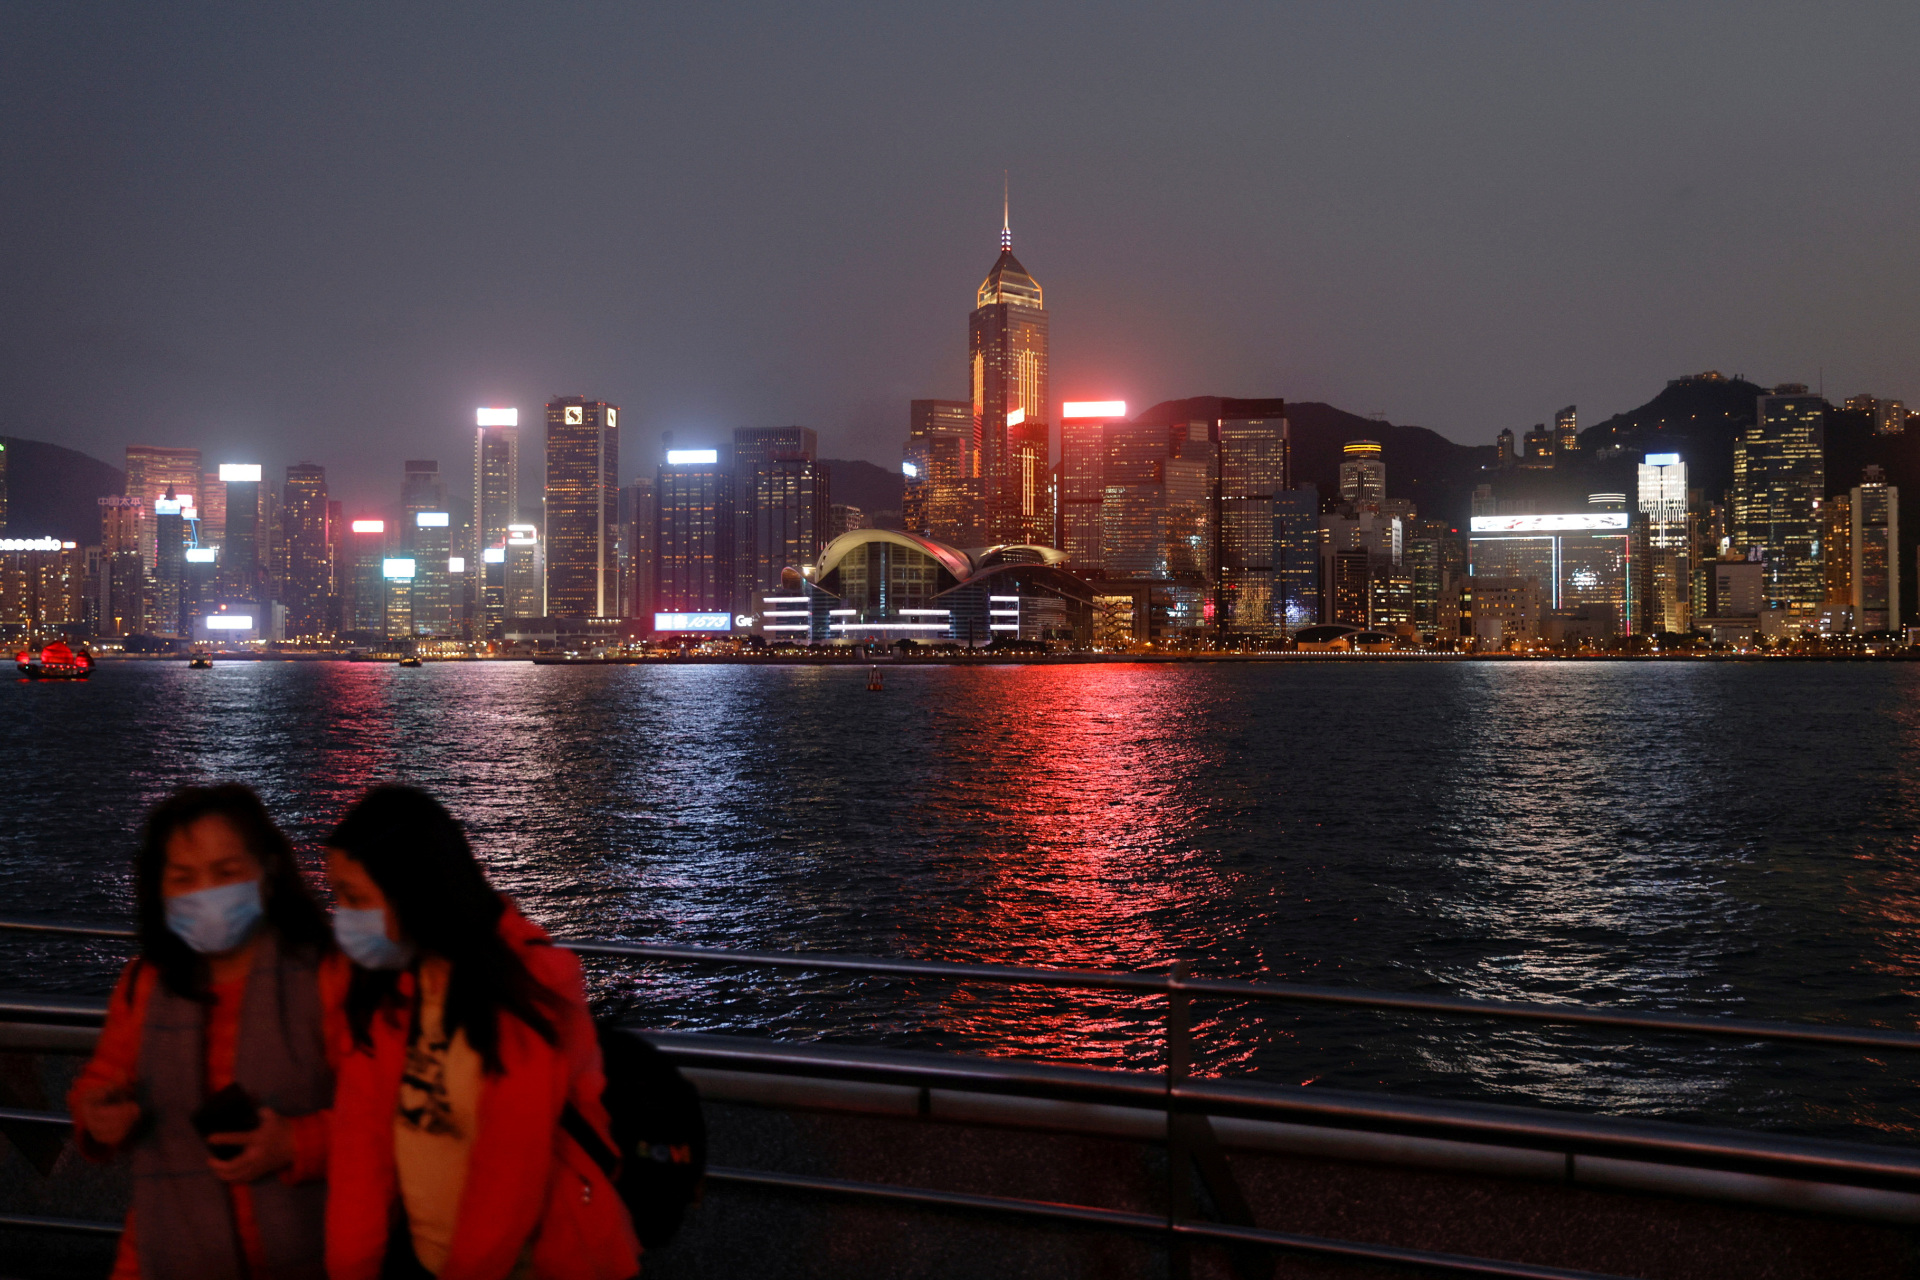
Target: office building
(1779, 479)
(843, 518)
(170, 565)
(1566, 432)
(245, 552)
(1252, 456)
(1667, 582)
(1007, 369)
(526, 572)
(1875, 547)
(583, 508)
(693, 534)
(363, 607)
(42, 587)
(152, 470)
(1156, 508)
(1435, 561)
(937, 465)
(3, 486)
(1537, 448)
(397, 573)
(309, 559)
(496, 475)
(431, 594)
(1576, 558)
(1082, 488)
(1889, 417)
(1507, 612)
(213, 510)
(1363, 473)
(119, 587)
(1836, 541)
(780, 500)
(1296, 539)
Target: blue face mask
(362, 934)
(215, 920)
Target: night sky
(327, 232)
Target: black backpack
(659, 1135)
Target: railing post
(1179, 1158)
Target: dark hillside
(865, 485)
(1698, 418)
(51, 491)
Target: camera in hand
(231, 1110)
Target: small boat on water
(201, 662)
(57, 661)
(410, 661)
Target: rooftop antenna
(1006, 224)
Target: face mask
(215, 920)
(362, 934)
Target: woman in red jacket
(236, 983)
(471, 1036)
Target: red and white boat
(56, 661)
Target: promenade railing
(1187, 1101)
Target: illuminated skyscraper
(243, 555)
(1363, 475)
(1007, 370)
(432, 593)
(420, 490)
(364, 609)
(639, 514)
(937, 466)
(496, 476)
(1779, 479)
(1876, 553)
(1253, 470)
(309, 581)
(151, 471)
(583, 508)
(1156, 517)
(1083, 449)
(1296, 552)
(120, 594)
(693, 534)
(526, 573)
(169, 573)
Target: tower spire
(1006, 226)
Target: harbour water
(1712, 839)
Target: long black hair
(290, 907)
(418, 854)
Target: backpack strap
(590, 1141)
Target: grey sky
(329, 231)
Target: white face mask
(362, 934)
(218, 919)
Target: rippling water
(1723, 839)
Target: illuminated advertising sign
(239, 472)
(1663, 459)
(494, 555)
(369, 526)
(522, 535)
(692, 457)
(498, 417)
(693, 622)
(430, 519)
(456, 564)
(910, 471)
(1016, 416)
(1108, 409)
(1615, 521)
(201, 555)
(30, 544)
(166, 506)
(230, 622)
(397, 570)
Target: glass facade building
(1875, 508)
(308, 587)
(1007, 371)
(1576, 558)
(693, 537)
(1252, 456)
(1779, 480)
(583, 508)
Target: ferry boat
(56, 661)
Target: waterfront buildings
(1662, 501)
(1296, 541)
(1082, 488)
(583, 508)
(246, 552)
(1007, 369)
(882, 586)
(526, 572)
(496, 504)
(781, 506)
(1574, 558)
(431, 593)
(364, 610)
(1779, 480)
(639, 516)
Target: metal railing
(1187, 1103)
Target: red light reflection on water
(1078, 774)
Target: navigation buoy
(873, 679)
